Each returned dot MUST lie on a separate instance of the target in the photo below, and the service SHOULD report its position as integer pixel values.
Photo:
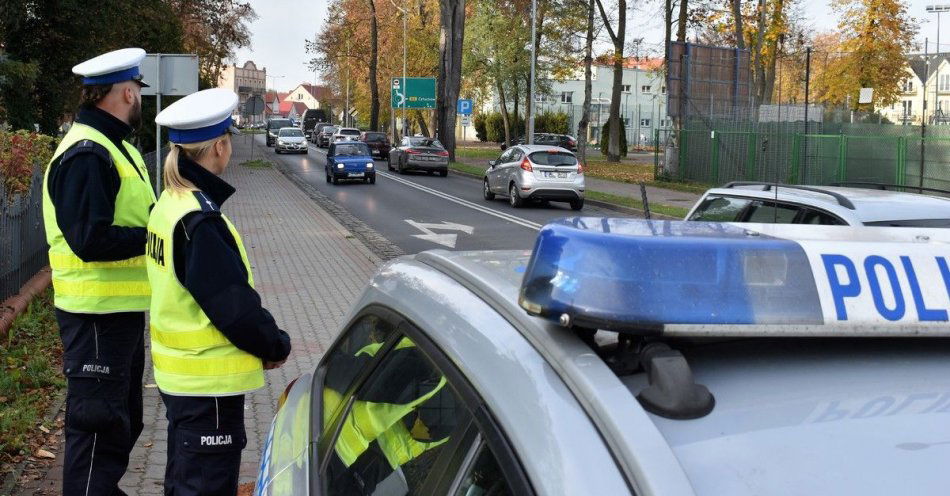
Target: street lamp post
(405, 38)
(534, 58)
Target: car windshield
(329, 130)
(911, 223)
(277, 124)
(351, 150)
(375, 137)
(427, 142)
(553, 158)
(352, 132)
(291, 132)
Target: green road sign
(419, 93)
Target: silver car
(291, 139)
(741, 360)
(420, 153)
(346, 134)
(535, 172)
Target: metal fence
(23, 250)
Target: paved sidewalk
(308, 268)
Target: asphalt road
(419, 212)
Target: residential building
(923, 81)
(292, 110)
(642, 99)
(246, 80)
(311, 95)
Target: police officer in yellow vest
(211, 339)
(96, 201)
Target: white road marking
(448, 240)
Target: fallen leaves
(42, 453)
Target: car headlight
(339, 166)
(279, 142)
(369, 165)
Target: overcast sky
(278, 34)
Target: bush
(605, 139)
(552, 122)
(495, 127)
(19, 152)
(480, 132)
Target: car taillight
(572, 142)
(410, 151)
(283, 396)
(443, 153)
(526, 165)
(580, 168)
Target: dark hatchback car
(273, 126)
(378, 143)
(325, 136)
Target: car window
(506, 156)
(553, 158)
(770, 212)
(911, 223)
(351, 132)
(350, 356)
(279, 124)
(399, 423)
(291, 132)
(350, 149)
(405, 142)
(720, 209)
(817, 217)
(428, 142)
(516, 155)
(329, 129)
(484, 476)
(375, 137)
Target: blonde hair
(174, 181)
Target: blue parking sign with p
(465, 107)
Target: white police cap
(112, 67)
(199, 116)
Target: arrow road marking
(448, 240)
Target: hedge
(19, 151)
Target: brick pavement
(309, 270)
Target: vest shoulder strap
(87, 146)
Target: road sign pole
(158, 129)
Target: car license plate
(355, 174)
(555, 175)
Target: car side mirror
(491, 163)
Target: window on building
(663, 89)
(626, 122)
(539, 98)
(625, 88)
(644, 122)
(945, 82)
(567, 97)
(645, 88)
(908, 86)
(908, 107)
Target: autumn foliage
(20, 151)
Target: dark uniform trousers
(103, 360)
(205, 437)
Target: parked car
(291, 139)
(728, 360)
(420, 153)
(535, 172)
(350, 160)
(273, 126)
(346, 134)
(378, 143)
(562, 140)
(325, 137)
(851, 204)
(311, 118)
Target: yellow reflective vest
(190, 356)
(101, 287)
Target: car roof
(347, 129)
(542, 148)
(841, 410)
(870, 205)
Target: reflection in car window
(484, 476)
(553, 158)
(291, 132)
(429, 142)
(350, 150)
(768, 212)
(329, 130)
(506, 156)
(396, 428)
(720, 209)
(816, 217)
(375, 137)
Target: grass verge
(30, 379)
(478, 153)
(625, 201)
(257, 164)
(468, 169)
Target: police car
(636, 357)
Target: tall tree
(582, 126)
(618, 38)
(373, 61)
(214, 29)
(452, 22)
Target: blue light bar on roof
(640, 276)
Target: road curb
(375, 242)
(599, 203)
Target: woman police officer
(211, 339)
